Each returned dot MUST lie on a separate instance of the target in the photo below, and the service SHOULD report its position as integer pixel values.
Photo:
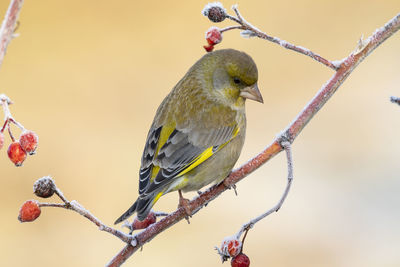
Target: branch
(292, 131)
(45, 187)
(8, 26)
(217, 13)
(253, 31)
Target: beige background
(87, 77)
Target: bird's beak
(252, 92)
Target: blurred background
(88, 76)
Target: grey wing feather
(179, 151)
(147, 159)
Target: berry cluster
(19, 149)
(232, 247)
(30, 210)
(216, 13)
(28, 140)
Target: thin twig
(230, 28)
(75, 206)
(256, 32)
(8, 26)
(292, 131)
(247, 226)
(5, 102)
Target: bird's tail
(142, 207)
(127, 213)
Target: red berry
(29, 211)
(1, 140)
(29, 141)
(213, 36)
(231, 246)
(240, 260)
(150, 219)
(16, 154)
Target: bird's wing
(170, 153)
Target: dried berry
(213, 36)
(150, 219)
(231, 246)
(16, 154)
(29, 141)
(240, 260)
(44, 187)
(1, 140)
(215, 12)
(29, 211)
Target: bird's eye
(236, 80)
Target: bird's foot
(184, 202)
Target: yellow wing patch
(158, 196)
(205, 155)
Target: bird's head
(234, 77)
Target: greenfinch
(198, 130)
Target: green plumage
(199, 129)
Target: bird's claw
(185, 204)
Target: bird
(198, 131)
